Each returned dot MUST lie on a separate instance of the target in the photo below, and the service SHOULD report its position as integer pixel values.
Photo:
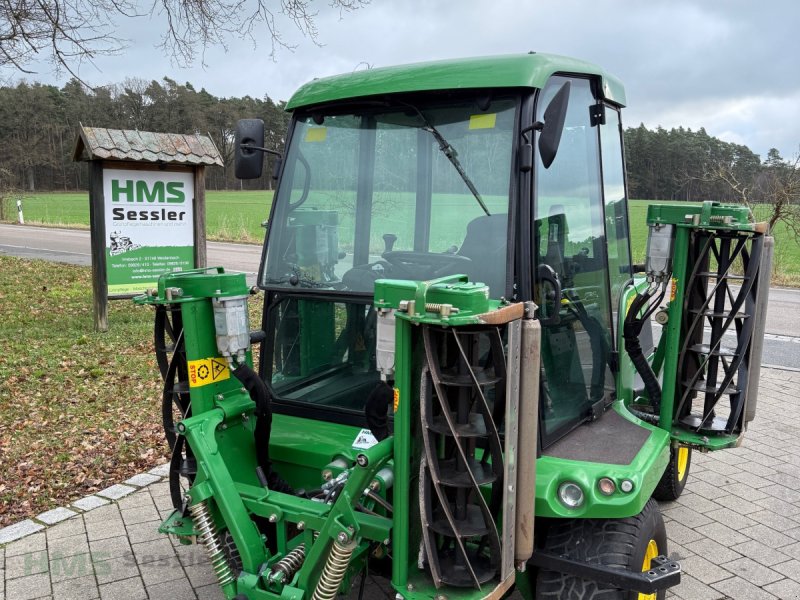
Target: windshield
(408, 192)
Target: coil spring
(286, 567)
(208, 537)
(334, 571)
(442, 309)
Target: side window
(570, 240)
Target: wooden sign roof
(95, 143)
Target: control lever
(388, 242)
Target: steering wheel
(425, 265)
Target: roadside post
(146, 208)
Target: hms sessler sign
(141, 191)
(149, 226)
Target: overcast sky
(730, 66)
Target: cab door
(571, 264)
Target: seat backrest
(485, 245)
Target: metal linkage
(204, 524)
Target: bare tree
(776, 185)
(70, 32)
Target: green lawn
(234, 216)
(237, 216)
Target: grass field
(237, 216)
(230, 216)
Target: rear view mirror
(249, 157)
(554, 116)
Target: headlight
(570, 494)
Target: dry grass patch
(79, 410)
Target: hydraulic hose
(260, 395)
(377, 408)
(599, 345)
(631, 329)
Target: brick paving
(736, 528)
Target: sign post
(147, 217)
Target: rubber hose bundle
(376, 410)
(260, 395)
(630, 331)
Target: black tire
(613, 542)
(674, 478)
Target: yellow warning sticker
(317, 134)
(673, 290)
(396, 399)
(208, 370)
(483, 121)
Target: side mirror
(248, 154)
(554, 116)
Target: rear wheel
(629, 543)
(674, 478)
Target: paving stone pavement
(735, 529)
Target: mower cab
(456, 383)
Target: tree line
(40, 124)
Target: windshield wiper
(451, 154)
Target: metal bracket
(663, 572)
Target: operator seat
(485, 245)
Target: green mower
(458, 384)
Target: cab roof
(511, 71)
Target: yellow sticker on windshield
(316, 134)
(483, 121)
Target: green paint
(402, 454)
(708, 215)
(512, 71)
(471, 299)
(644, 470)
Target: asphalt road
(782, 332)
(72, 246)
